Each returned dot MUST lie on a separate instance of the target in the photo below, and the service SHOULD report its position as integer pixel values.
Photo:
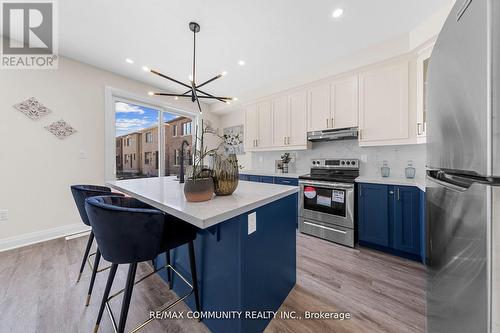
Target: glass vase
(225, 174)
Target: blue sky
(131, 117)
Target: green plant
(201, 152)
(286, 158)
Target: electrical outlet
(252, 223)
(4, 214)
(83, 155)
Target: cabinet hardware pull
(398, 193)
(419, 129)
(331, 122)
(327, 123)
(327, 228)
(288, 140)
(391, 192)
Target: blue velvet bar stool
(80, 193)
(129, 231)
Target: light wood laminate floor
(383, 293)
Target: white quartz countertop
(166, 194)
(271, 174)
(420, 183)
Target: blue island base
(242, 272)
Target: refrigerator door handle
(445, 180)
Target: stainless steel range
(327, 200)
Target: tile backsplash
(371, 158)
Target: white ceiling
(277, 38)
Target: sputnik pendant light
(194, 91)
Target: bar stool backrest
(126, 229)
(82, 192)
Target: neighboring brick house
(149, 151)
(131, 153)
(176, 131)
(137, 153)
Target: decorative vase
(199, 189)
(285, 167)
(225, 175)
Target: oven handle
(327, 228)
(328, 185)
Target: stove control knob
(342, 163)
(348, 162)
(353, 162)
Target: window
(186, 128)
(144, 145)
(147, 157)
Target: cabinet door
(251, 127)
(424, 57)
(373, 211)
(267, 179)
(406, 228)
(319, 107)
(344, 102)
(280, 121)
(298, 119)
(383, 103)
(254, 178)
(265, 138)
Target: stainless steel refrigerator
(463, 176)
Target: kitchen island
(245, 249)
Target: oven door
(327, 202)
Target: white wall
(36, 168)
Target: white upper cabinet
(298, 119)
(251, 127)
(319, 108)
(281, 121)
(423, 59)
(265, 125)
(384, 104)
(344, 102)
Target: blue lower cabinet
(286, 181)
(253, 178)
(390, 219)
(406, 228)
(267, 179)
(373, 212)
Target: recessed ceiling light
(224, 73)
(176, 98)
(241, 62)
(235, 98)
(129, 61)
(145, 68)
(150, 93)
(338, 13)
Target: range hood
(333, 134)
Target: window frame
(113, 95)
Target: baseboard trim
(31, 238)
